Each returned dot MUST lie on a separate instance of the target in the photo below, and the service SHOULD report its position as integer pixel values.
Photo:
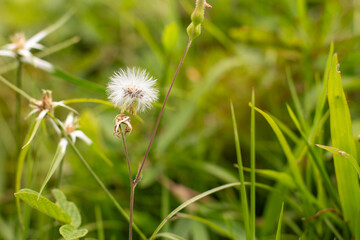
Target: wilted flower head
(132, 90)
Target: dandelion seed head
(132, 90)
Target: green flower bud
(193, 31)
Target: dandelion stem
(132, 196)
(138, 175)
(18, 104)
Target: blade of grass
(167, 235)
(298, 107)
(315, 159)
(208, 223)
(190, 201)
(77, 81)
(19, 171)
(341, 136)
(322, 97)
(244, 203)
(296, 173)
(99, 223)
(345, 155)
(278, 232)
(252, 166)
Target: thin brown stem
(132, 195)
(127, 157)
(138, 175)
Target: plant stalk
(18, 104)
(138, 175)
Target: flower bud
(193, 31)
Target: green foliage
(283, 50)
(43, 205)
(70, 232)
(342, 138)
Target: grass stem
(18, 104)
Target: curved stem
(138, 175)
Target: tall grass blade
(252, 166)
(244, 203)
(341, 136)
(188, 202)
(77, 81)
(295, 170)
(278, 233)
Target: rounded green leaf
(71, 233)
(170, 36)
(43, 204)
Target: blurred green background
(244, 44)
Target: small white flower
(70, 125)
(132, 90)
(20, 47)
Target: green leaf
(244, 202)
(38, 120)
(190, 201)
(43, 205)
(71, 233)
(278, 233)
(342, 138)
(69, 207)
(170, 36)
(167, 235)
(345, 155)
(76, 80)
(59, 155)
(281, 177)
(295, 170)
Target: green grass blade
(252, 166)
(244, 203)
(208, 223)
(19, 171)
(298, 108)
(341, 136)
(58, 157)
(43, 205)
(77, 81)
(278, 233)
(295, 171)
(190, 201)
(345, 155)
(167, 235)
(316, 160)
(99, 223)
(322, 98)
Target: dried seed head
(45, 103)
(122, 119)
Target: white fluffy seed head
(132, 90)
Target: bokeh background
(244, 45)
